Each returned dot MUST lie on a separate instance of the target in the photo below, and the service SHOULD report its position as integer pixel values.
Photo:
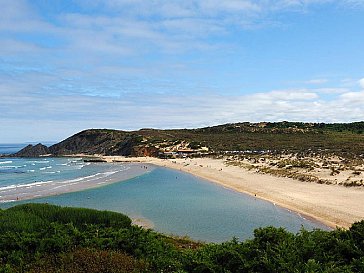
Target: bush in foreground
(46, 238)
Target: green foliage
(45, 238)
(296, 164)
(194, 145)
(32, 217)
(252, 138)
(88, 260)
(355, 127)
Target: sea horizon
(11, 148)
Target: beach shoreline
(40, 189)
(332, 205)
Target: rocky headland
(33, 151)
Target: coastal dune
(333, 205)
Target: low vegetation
(344, 139)
(46, 238)
(317, 168)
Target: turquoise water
(181, 204)
(31, 171)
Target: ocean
(173, 202)
(6, 149)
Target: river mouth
(177, 203)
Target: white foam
(61, 186)
(78, 167)
(91, 177)
(10, 167)
(17, 186)
(20, 189)
(83, 165)
(6, 162)
(38, 162)
(74, 159)
(6, 201)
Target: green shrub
(46, 238)
(77, 216)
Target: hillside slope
(296, 137)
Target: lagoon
(174, 202)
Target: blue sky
(69, 65)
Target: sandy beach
(333, 205)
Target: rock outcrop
(145, 151)
(33, 151)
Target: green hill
(345, 139)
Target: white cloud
(336, 90)
(86, 79)
(354, 3)
(11, 46)
(361, 82)
(196, 8)
(317, 81)
(135, 27)
(287, 95)
(353, 98)
(134, 111)
(228, 6)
